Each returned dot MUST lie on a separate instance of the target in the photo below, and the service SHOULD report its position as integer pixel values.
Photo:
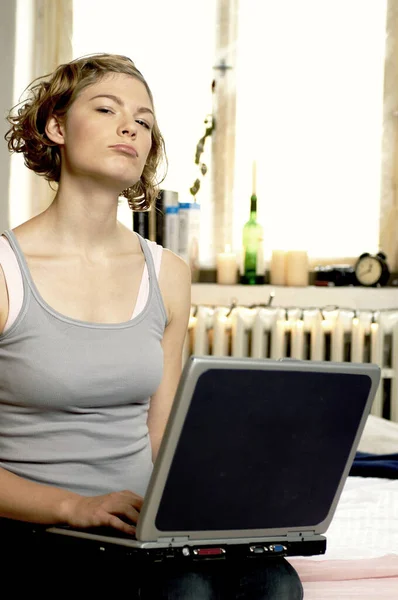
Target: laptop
(253, 461)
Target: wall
(7, 53)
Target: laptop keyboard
(103, 531)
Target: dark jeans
(53, 570)
(218, 580)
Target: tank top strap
(19, 256)
(152, 276)
(148, 258)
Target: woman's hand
(110, 510)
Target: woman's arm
(175, 285)
(24, 500)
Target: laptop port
(277, 548)
(209, 551)
(258, 549)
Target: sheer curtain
(310, 112)
(43, 41)
(53, 34)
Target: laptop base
(125, 547)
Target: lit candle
(317, 336)
(227, 268)
(298, 339)
(220, 335)
(376, 356)
(278, 268)
(297, 268)
(357, 340)
(278, 339)
(375, 344)
(201, 340)
(337, 348)
(327, 326)
(189, 337)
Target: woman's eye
(143, 123)
(104, 110)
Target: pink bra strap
(144, 287)
(13, 277)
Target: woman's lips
(126, 148)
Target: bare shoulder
(30, 235)
(174, 267)
(175, 283)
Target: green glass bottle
(253, 234)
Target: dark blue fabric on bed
(375, 465)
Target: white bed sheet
(361, 559)
(365, 524)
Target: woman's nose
(129, 129)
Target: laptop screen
(262, 449)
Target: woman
(93, 320)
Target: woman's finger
(128, 513)
(133, 499)
(120, 525)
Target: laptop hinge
(302, 535)
(174, 540)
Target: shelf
(348, 297)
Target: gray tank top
(74, 395)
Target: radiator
(303, 333)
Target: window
(310, 112)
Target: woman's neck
(84, 217)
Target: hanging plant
(210, 126)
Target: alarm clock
(372, 270)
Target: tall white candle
(220, 340)
(356, 341)
(239, 346)
(227, 267)
(297, 268)
(278, 339)
(376, 356)
(278, 268)
(298, 339)
(254, 177)
(201, 342)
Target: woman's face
(107, 134)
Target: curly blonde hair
(54, 94)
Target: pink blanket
(368, 578)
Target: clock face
(368, 270)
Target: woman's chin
(120, 184)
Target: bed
(361, 560)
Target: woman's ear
(55, 130)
